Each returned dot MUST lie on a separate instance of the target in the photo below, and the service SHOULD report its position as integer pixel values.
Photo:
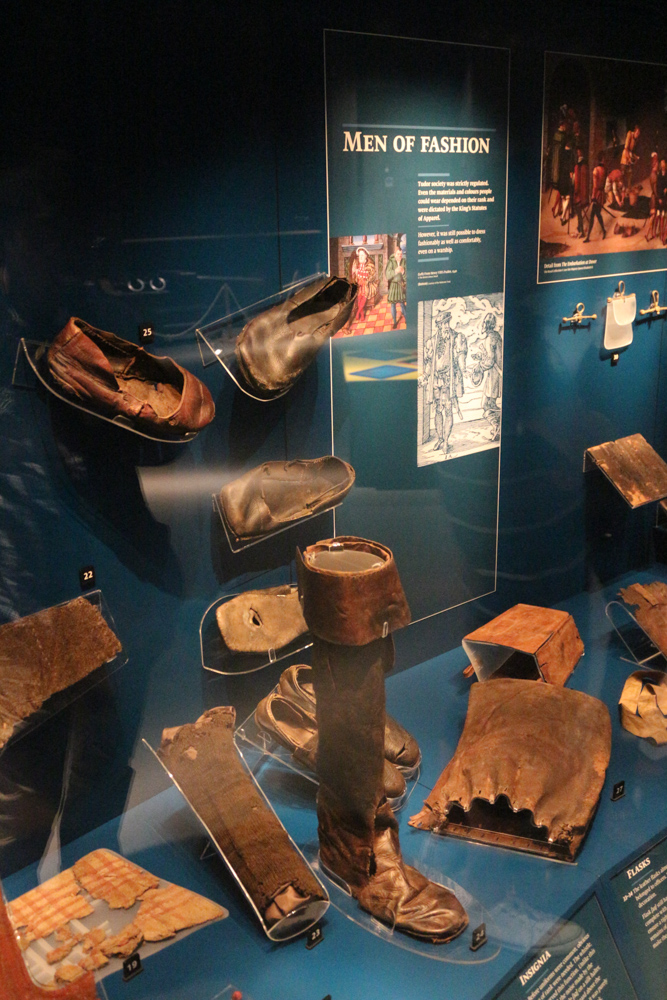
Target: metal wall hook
(578, 316)
(655, 308)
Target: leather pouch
(528, 770)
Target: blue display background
(159, 139)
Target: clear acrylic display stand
(217, 341)
(264, 766)
(229, 991)
(292, 924)
(249, 734)
(219, 659)
(61, 699)
(113, 921)
(457, 951)
(639, 645)
(238, 545)
(30, 369)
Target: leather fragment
(648, 602)
(259, 620)
(643, 705)
(47, 652)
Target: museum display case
(333, 610)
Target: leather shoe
(117, 378)
(277, 346)
(296, 730)
(400, 748)
(275, 494)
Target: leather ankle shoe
(400, 748)
(296, 730)
(119, 379)
(276, 347)
(275, 494)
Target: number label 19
(132, 967)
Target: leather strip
(351, 608)
(206, 765)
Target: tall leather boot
(352, 600)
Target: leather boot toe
(394, 783)
(406, 900)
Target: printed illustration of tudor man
(460, 348)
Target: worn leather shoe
(296, 730)
(400, 748)
(277, 346)
(274, 494)
(117, 378)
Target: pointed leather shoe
(276, 347)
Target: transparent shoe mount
(238, 545)
(636, 640)
(219, 659)
(250, 737)
(292, 924)
(30, 369)
(217, 340)
(458, 951)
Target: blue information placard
(640, 893)
(580, 962)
